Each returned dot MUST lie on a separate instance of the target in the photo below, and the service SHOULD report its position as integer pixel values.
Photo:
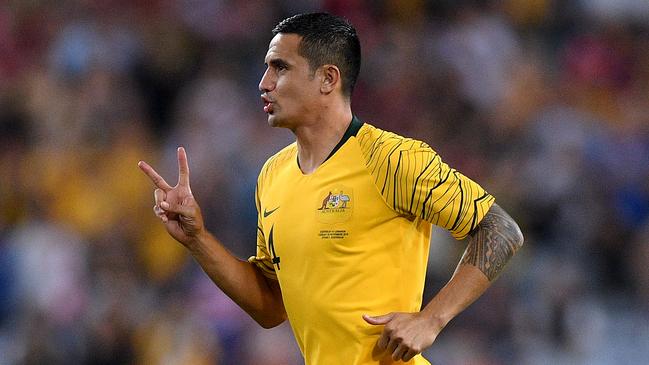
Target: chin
(274, 121)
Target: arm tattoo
(493, 242)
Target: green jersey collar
(352, 130)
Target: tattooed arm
(491, 245)
(493, 242)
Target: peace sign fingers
(154, 176)
(183, 168)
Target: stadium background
(545, 102)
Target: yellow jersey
(353, 237)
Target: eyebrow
(276, 62)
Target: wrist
(198, 241)
(436, 316)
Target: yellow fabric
(353, 237)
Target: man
(345, 215)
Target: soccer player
(344, 215)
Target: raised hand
(176, 206)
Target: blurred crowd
(544, 102)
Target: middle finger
(392, 345)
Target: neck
(317, 139)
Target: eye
(278, 65)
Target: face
(290, 91)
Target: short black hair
(326, 39)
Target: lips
(268, 104)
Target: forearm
(240, 280)
(491, 246)
(467, 284)
(259, 296)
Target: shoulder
(281, 158)
(377, 144)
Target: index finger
(384, 340)
(154, 176)
(183, 167)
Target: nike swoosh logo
(269, 212)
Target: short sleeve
(262, 258)
(440, 194)
(414, 181)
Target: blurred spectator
(545, 102)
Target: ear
(330, 79)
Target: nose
(266, 83)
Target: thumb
(378, 320)
(183, 210)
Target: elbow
(269, 322)
(508, 227)
(518, 238)
(270, 315)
